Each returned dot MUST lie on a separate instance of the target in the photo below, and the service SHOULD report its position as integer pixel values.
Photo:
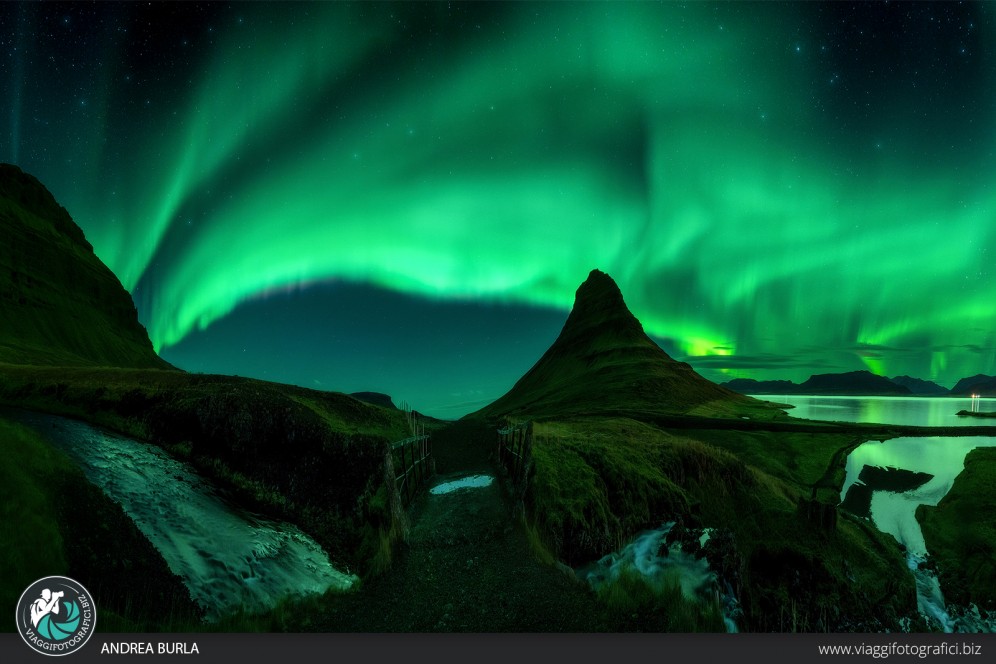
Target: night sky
(404, 197)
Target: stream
(892, 507)
(230, 559)
(644, 556)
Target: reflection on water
(915, 411)
(942, 457)
(471, 482)
(894, 512)
(230, 559)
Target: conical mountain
(604, 363)
(59, 304)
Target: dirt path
(467, 565)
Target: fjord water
(914, 411)
(228, 558)
(943, 457)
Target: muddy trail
(467, 565)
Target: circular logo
(56, 615)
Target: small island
(970, 413)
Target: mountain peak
(597, 286)
(852, 382)
(598, 303)
(603, 362)
(28, 193)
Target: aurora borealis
(339, 194)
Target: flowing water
(895, 512)
(644, 556)
(941, 457)
(230, 559)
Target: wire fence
(413, 457)
(515, 447)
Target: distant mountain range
(864, 383)
(920, 386)
(980, 384)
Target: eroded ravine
(467, 565)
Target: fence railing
(412, 457)
(515, 446)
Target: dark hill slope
(920, 386)
(751, 386)
(604, 363)
(853, 382)
(978, 384)
(59, 305)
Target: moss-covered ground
(795, 564)
(317, 459)
(960, 533)
(320, 460)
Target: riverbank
(56, 522)
(317, 459)
(768, 496)
(960, 533)
(767, 489)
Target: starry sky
(404, 197)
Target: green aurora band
(675, 147)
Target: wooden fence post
(417, 462)
(520, 438)
(413, 473)
(408, 474)
(527, 450)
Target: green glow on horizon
(644, 141)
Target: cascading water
(942, 458)
(228, 558)
(643, 555)
(929, 598)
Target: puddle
(471, 482)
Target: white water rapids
(642, 555)
(229, 559)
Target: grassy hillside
(59, 305)
(960, 533)
(317, 459)
(596, 482)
